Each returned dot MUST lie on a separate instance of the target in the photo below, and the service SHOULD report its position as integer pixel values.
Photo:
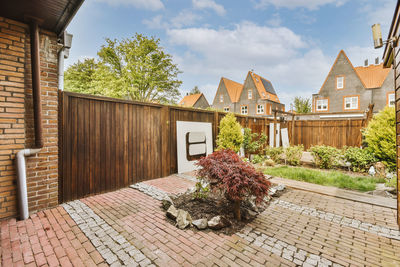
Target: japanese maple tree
(236, 179)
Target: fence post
(165, 141)
(216, 125)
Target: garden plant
(230, 133)
(237, 180)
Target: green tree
(79, 77)
(195, 91)
(380, 136)
(302, 105)
(230, 133)
(136, 68)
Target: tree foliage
(253, 142)
(230, 133)
(302, 105)
(195, 91)
(136, 68)
(236, 179)
(380, 136)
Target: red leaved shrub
(226, 172)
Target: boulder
(172, 212)
(218, 222)
(247, 214)
(380, 169)
(280, 187)
(166, 203)
(183, 219)
(272, 191)
(200, 224)
(372, 171)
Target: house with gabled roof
(256, 96)
(195, 101)
(351, 89)
(227, 95)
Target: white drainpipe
(61, 55)
(21, 180)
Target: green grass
(330, 178)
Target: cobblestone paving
(342, 220)
(128, 227)
(113, 247)
(149, 190)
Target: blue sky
(293, 43)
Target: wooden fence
(107, 144)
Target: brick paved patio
(128, 227)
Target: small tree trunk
(236, 209)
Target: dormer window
(250, 94)
(221, 98)
(339, 82)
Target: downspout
(37, 110)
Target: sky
(292, 43)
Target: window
(221, 98)
(226, 109)
(322, 104)
(249, 94)
(263, 94)
(243, 110)
(260, 109)
(351, 102)
(391, 100)
(339, 82)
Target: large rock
(200, 224)
(172, 212)
(166, 203)
(183, 219)
(380, 170)
(218, 222)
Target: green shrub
(275, 153)
(230, 134)
(380, 137)
(392, 182)
(201, 191)
(258, 159)
(325, 157)
(360, 159)
(253, 142)
(293, 154)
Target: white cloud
(277, 53)
(145, 4)
(291, 4)
(379, 11)
(275, 20)
(358, 54)
(184, 18)
(209, 4)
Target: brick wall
(16, 118)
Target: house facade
(349, 89)
(255, 97)
(195, 101)
(30, 33)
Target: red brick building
(25, 24)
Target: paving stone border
(282, 249)
(342, 220)
(149, 190)
(187, 177)
(112, 246)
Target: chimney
(377, 61)
(366, 63)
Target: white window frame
(226, 109)
(260, 109)
(352, 101)
(244, 110)
(324, 103)
(393, 96)
(221, 98)
(339, 82)
(249, 94)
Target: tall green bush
(380, 136)
(293, 154)
(325, 157)
(230, 133)
(360, 159)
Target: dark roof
(53, 15)
(268, 86)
